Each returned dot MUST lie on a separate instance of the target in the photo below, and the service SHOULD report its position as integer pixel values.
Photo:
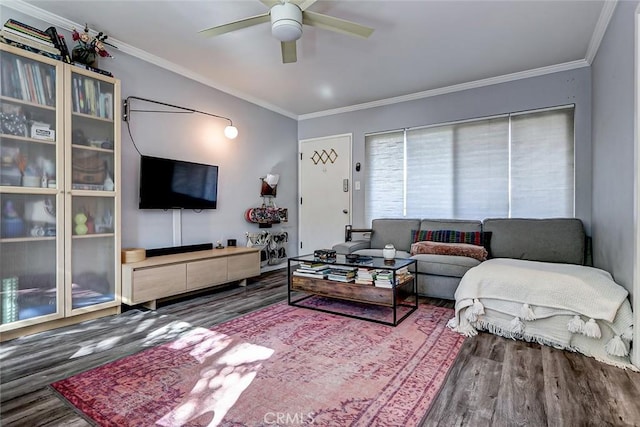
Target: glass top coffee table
(370, 288)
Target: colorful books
(342, 273)
(28, 31)
(32, 49)
(313, 275)
(9, 33)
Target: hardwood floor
(494, 381)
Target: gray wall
(266, 143)
(613, 152)
(613, 149)
(568, 87)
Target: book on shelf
(29, 36)
(317, 271)
(21, 26)
(5, 33)
(347, 268)
(32, 49)
(309, 274)
(402, 271)
(340, 278)
(366, 273)
(384, 278)
(313, 266)
(343, 272)
(28, 80)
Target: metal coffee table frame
(365, 294)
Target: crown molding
(450, 89)
(601, 27)
(598, 34)
(123, 47)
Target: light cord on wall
(230, 131)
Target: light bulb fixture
(286, 22)
(230, 131)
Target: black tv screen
(176, 184)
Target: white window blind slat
(518, 166)
(384, 189)
(542, 178)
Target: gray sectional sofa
(561, 240)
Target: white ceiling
(418, 47)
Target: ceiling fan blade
(288, 52)
(304, 4)
(270, 3)
(236, 25)
(335, 24)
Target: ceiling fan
(286, 18)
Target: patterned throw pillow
(448, 236)
(457, 249)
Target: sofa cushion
(444, 265)
(394, 231)
(346, 248)
(548, 240)
(450, 224)
(447, 236)
(441, 248)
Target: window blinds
(510, 166)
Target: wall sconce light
(230, 131)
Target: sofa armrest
(350, 247)
(349, 230)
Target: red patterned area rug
(280, 365)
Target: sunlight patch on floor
(95, 347)
(228, 368)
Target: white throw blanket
(567, 306)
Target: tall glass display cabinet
(59, 193)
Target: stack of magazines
(342, 273)
(365, 276)
(30, 38)
(313, 270)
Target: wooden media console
(165, 276)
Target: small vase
(108, 184)
(84, 55)
(389, 252)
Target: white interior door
(325, 191)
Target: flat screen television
(176, 184)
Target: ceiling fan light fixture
(286, 22)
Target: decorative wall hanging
(269, 185)
(267, 214)
(324, 157)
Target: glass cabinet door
(31, 198)
(93, 253)
(93, 275)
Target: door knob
(345, 211)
